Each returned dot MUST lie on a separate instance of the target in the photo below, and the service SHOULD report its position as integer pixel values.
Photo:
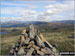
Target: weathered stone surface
(32, 42)
(31, 33)
(21, 51)
(26, 41)
(29, 53)
(38, 40)
(11, 51)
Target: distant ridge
(25, 23)
(68, 21)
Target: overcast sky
(37, 10)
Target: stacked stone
(30, 43)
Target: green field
(63, 38)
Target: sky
(37, 10)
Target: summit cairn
(32, 43)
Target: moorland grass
(59, 37)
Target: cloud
(58, 5)
(31, 6)
(7, 19)
(20, 13)
(48, 12)
(16, 11)
(58, 11)
(45, 15)
(59, 8)
(19, 5)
